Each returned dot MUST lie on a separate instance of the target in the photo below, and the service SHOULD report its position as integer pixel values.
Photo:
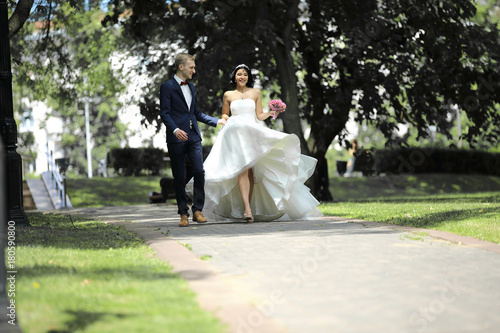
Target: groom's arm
(166, 107)
(206, 119)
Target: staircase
(49, 192)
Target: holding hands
(182, 136)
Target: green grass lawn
(119, 191)
(88, 276)
(467, 205)
(115, 191)
(410, 186)
(475, 215)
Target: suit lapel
(193, 96)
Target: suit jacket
(175, 112)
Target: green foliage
(65, 63)
(88, 276)
(133, 161)
(394, 55)
(26, 144)
(487, 11)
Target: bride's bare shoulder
(229, 95)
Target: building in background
(47, 133)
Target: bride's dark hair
(233, 75)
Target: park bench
(167, 183)
(167, 190)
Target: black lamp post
(8, 128)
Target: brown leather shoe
(198, 217)
(184, 221)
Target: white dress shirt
(185, 91)
(188, 96)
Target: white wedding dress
(279, 169)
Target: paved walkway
(325, 275)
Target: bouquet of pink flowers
(278, 106)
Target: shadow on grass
(143, 272)
(435, 219)
(92, 239)
(62, 231)
(115, 191)
(83, 319)
(459, 198)
(363, 188)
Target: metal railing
(57, 182)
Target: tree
(392, 62)
(65, 61)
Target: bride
(253, 172)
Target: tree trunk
(320, 181)
(289, 93)
(324, 128)
(281, 47)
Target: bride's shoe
(248, 217)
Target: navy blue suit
(175, 113)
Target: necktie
(183, 83)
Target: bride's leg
(250, 179)
(246, 188)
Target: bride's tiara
(241, 66)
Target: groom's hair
(182, 58)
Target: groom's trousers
(193, 150)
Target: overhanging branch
(20, 15)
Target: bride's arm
(225, 106)
(261, 115)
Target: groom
(180, 114)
